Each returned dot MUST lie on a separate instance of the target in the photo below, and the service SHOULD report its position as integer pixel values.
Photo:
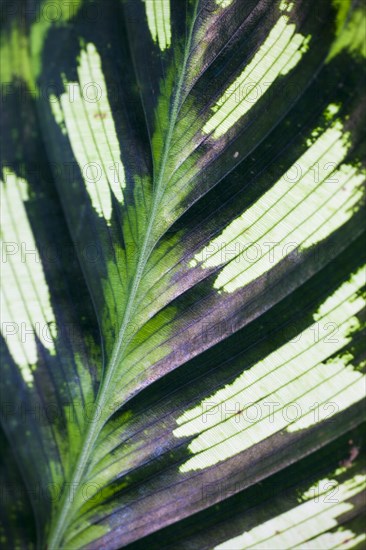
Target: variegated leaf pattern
(184, 269)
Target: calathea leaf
(183, 187)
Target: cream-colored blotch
(158, 20)
(294, 387)
(309, 202)
(85, 114)
(26, 310)
(308, 525)
(279, 54)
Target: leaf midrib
(63, 519)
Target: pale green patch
(286, 6)
(85, 111)
(340, 208)
(329, 114)
(351, 286)
(26, 311)
(310, 201)
(352, 38)
(341, 470)
(342, 538)
(318, 489)
(305, 526)
(292, 388)
(158, 20)
(339, 373)
(331, 111)
(280, 53)
(297, 56)
(224, 3)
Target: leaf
(183, 190)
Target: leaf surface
(183, 190)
